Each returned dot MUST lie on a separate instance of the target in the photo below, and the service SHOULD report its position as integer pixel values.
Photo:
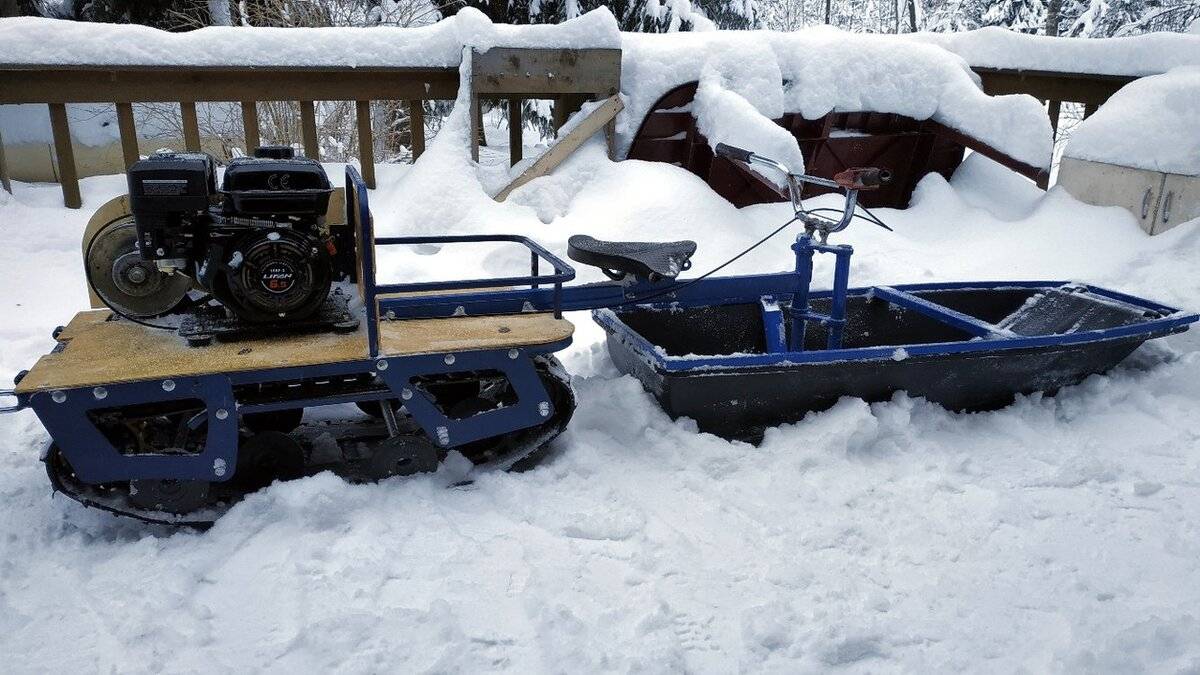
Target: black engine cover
(275, 275)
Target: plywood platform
(98, 351)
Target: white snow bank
(49, 41)
(824, 70)
(1137, 55)
(888, 537)
(736, 102)
(1152, 123)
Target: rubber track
(521, 450)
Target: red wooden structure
(909, 148)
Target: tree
(1025, 16)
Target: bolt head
(406, 394)
(222, 414)
(100, 393)
(58, 396)
(168, 385)
(513, 354)
(381, 365)
(449, 359)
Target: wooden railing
(569, 77)
(565, 75)
(1054, 89)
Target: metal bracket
(64, 413)
(533, 402)
(11, 393)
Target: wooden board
(97, 351)
(79, 84)
(562, 148)
(535, 73)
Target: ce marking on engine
(277, 181)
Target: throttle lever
(863, 178)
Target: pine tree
(1025, 16)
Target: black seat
(653, 259)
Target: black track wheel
(266, 457)
(170, 496)
(283, 421)
(375, 408)
(401, 456)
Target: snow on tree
(1025, 16)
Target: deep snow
(1058, 534)
(1150, 124)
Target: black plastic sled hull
(742, 365)
(741, 403)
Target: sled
(737, 367)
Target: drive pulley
(126, 282)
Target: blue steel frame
(406, 295)
(94, 459)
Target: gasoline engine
(259, 245)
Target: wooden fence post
(191, 126)
(515, 128)
(5, 182)
(67, 174)
(366, 142)
(416, 123)
(129, 140)
(308, 130)
(250, 126)
(1054, 110)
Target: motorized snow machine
(174, 425)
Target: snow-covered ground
(1058, 534)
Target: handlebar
(851, 181)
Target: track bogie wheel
(179, 497)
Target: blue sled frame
(65, 413)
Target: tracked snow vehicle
(145, 425)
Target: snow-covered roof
(812, 72)
(1152, 123)
(821, 70)
(1136, 56)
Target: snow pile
(737, 99)
(1137, 55)
(1054, 535)
(1152, 123)
(49, 41)
(824, 70)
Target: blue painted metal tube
(714, 290)
(804, 268)
(964, 322)
(358, 211)
(841, 281)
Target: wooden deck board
(98, 351)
